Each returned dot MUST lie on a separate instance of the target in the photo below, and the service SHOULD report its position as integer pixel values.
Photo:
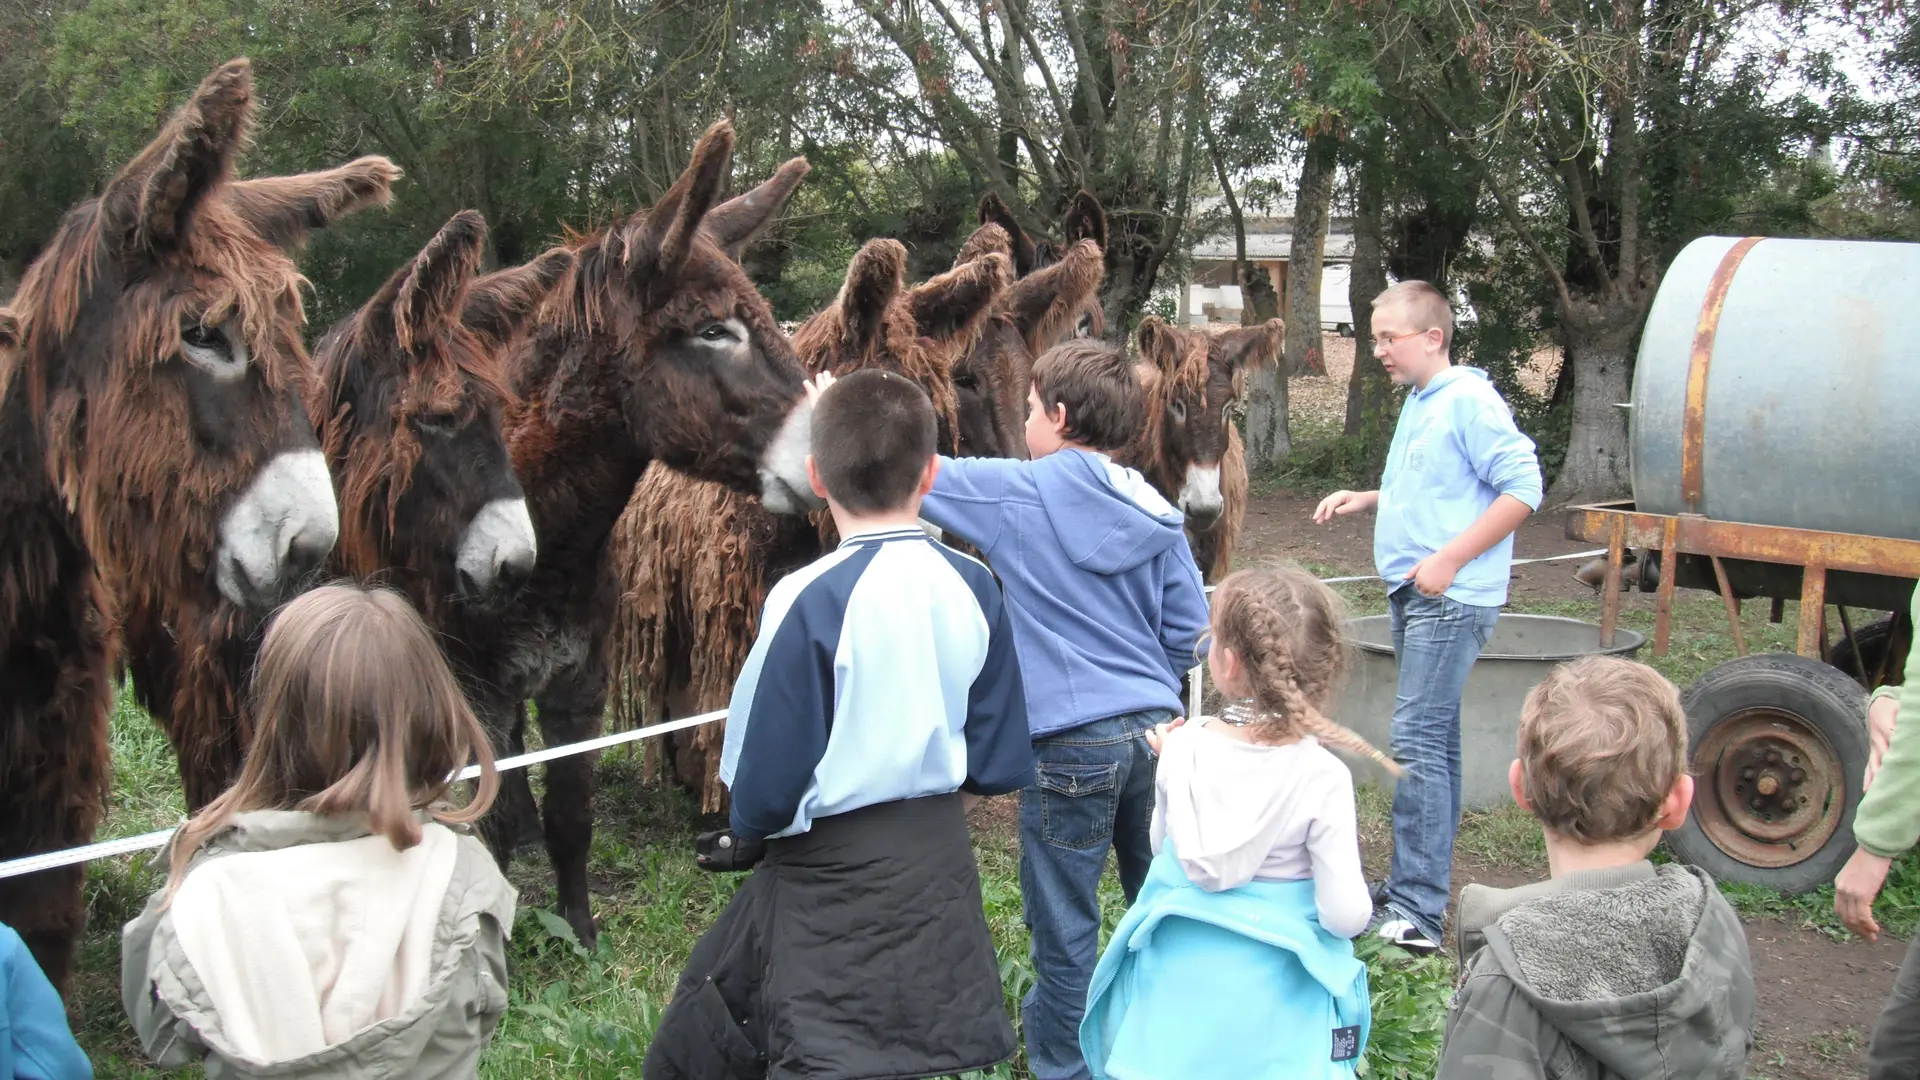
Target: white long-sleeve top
(1240, 811)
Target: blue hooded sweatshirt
(1455, 451)
(1107, 604)
(35, 1043)
(1242, 983)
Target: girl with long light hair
(331, 914)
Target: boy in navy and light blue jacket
(1459, 479)
(1107, 610)
(883, 685)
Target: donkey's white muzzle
(283, 526)
(497, 550)
(1200, 497)
(784, 488)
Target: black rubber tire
(1873, 641)
(1817, 694)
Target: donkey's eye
(716, 332)
(1179, 411)
(210, 349)
(437, 423)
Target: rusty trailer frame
(1620, 526)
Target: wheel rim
(1770, 789)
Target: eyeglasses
(1384, 341)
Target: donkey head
(1191, 377)
(921, 333)
(682, 344)
(1085, 219)
(412, 396)
(954, 315)
(164, 366)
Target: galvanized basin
(1521, 651)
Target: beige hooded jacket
(300, 945)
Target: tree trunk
(1369, 391)
(1310, 206)
(1599, 336)
(1268, 442)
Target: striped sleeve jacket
(883, 671)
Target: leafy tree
(1606, 135)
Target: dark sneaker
(1409, 937)
(1377, 892)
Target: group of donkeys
(585, 471)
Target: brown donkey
(695, 561)
(1055, 298)
(155, 456)
(1190, 449)
(656, 347)
(409, 394)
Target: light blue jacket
(1241, 983)
(1454, 452)
(1107, 603)
(34, 1041)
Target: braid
(1285, 625)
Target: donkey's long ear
(1046, 304)
(286, 209)
(994, 211)
(873, 281)
(1086, 220)
(501, 305)
(734, 222)
(1161, 346)
(1152, 338)
(425, 295)
(1255, 346)
(986, 240)
(950, 307)
(149, 207)
(660, 239)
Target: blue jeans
(1436, 640)
(1093, 790)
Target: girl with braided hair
(1236, 959)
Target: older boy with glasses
(1459, 478)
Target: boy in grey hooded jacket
(1613, 968)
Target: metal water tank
(1776, 384)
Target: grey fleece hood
(1652, 978)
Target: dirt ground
(1817, 998)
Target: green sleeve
(1888, 821)
(1493, 1032)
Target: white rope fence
(127, 845)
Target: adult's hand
(1855, 889)
(1882, 715)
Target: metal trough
(1521, 651)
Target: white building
(1212, 294)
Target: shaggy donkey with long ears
(156, 459)
(695, 561)
(655, 347)
(409, 395)
(1190, 449)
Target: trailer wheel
(1779, 745)
(1874, 640)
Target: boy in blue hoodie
(1459, 479)
(1107, 610)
